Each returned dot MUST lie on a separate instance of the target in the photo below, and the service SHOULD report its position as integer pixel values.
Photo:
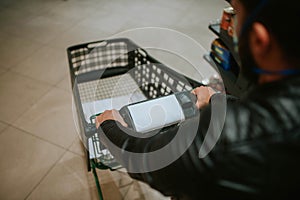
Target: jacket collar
(287, 86)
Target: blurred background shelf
(234, 81)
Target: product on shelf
(221, 54)
(227, 21)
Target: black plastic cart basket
(108, 74)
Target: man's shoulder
(263, 114)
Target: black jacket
(256, 157)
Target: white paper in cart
(92, 108)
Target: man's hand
(110, 115)
(203, 95)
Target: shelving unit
(234, 81)
(215, 28)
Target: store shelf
(215, 28)
(234, 81)
(226, 39)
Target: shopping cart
(110, 74)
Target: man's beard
(247, 60)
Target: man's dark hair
(282, 19)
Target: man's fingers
(110, 115)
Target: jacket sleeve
(172, 180)
(188, 174)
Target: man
(257, 155)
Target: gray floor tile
(14, 49)
(9, 17)
(5, 3)
(3, 126)
(47, 64)
(36, 7)
(76, 10)
(78, 147)
(2, 70)
(80, 33)
(157, 13)
(65, 83)
(51, 118)
(25, 160)
(107, 22)
(69, 179)
(18, 93)
(3, 35)
(42, 28)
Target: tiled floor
(41, 154)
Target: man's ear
(260, 39)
